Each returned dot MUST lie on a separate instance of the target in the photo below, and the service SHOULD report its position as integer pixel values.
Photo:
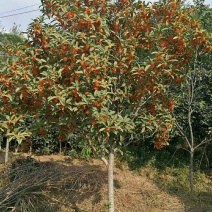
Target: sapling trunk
(17, 148)
(30, 148)
(60, 147)
(7, 151)
(191, 174)
(110, 181)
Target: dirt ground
(133, 192)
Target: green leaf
(147, 67)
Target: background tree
(193, 111)
(12, 38)
(8, 41)
(193, 114)
(102, 68)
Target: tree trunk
(110, 181)
(60, 147)
(7, 151)
(191, 174)
(30, 148)
(17, 147)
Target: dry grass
(63, 186)
(138, 193)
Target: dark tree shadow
(175, 184)
(29, 185)
(198, 201)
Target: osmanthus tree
(8, 118)
(103, 68)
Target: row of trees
(113, 73)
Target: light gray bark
(7, 151)
(191, 177)
(111, 181)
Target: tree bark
(60, 147)
(30, 148)
(17, 148)
(110, 181)
(191, 174)
(7, 151)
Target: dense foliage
(104, 70)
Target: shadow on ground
(30, 185)
(169, 172)
(198, 201)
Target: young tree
(103, 68)
(193, 114)
(193, 110)
(8, 118)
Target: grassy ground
(74, 185)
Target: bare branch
(182, 133)
(105, 161)
(202, 142)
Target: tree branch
(182, 133)
(202, 142)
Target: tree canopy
(102, 68)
